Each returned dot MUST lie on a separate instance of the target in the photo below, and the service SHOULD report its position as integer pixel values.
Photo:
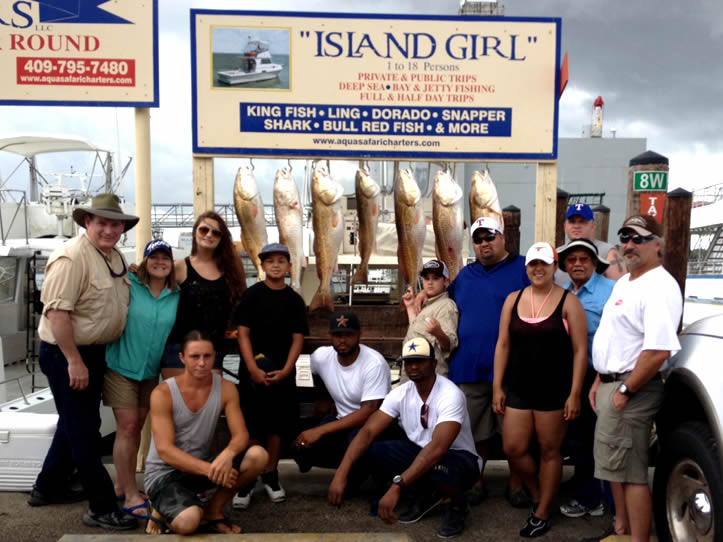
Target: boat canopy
(257, 46)
(32, 144)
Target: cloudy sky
(655, 63)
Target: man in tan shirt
(85, 296)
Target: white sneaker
(242, 502)
(275, 495)
(575, 509)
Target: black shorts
(177, 491)
(540, 399)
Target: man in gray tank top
(185, 410)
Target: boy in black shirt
(271, 320)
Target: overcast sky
(655, 63)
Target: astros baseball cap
(643, 225)
(344, 322)
(417, 348)
(541, 251)
(274, 248)
(580, 209)
(435, 267)
(155, 246)
(487, 223)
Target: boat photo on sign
(242, 58)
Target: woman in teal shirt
(133, 363)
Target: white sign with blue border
(79, 52)
(374, 86)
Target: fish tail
(361, 275)
(322, 300)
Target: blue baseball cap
(274, 248)
(580, 209)
(155, 246)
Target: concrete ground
(306, 511)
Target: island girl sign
(79, 52)
(374, 86)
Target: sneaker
(421, 506)
(518, 497)
(242, 499)
(273, 488)
(535, 527)
(477, 494)
(453, 522)
(37, 498)
(115, 520)
(575, 509)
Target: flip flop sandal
(161, 524)
(211, 526)
(130, 510)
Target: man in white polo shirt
(357, 378)
(438, 457)
(637, 334)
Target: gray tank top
(194, 430)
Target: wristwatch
(625, 391)
(398, 480)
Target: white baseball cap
(487, 223)
(541, 251)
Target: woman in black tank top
(212, 280)
(540, 363)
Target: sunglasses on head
(479, 239)
(635, 238)
(205, 230)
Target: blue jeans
(458, 469)
(76, 444)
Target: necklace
(532, 301)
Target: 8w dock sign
(79, 52)
(650, 181)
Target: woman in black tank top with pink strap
(540, 362)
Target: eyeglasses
(478, 240)
(424, 415)
(635, 238)
(205, 230)
(576, 259)
(113, 274)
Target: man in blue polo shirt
(580, 259)
(479, 291)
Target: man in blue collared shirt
(579, 258)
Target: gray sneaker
(575, 509)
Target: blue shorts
(170, 359)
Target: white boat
(256, 65)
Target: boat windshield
(256, 46)
(8, 279)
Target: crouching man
(184, 413)
(437, 459)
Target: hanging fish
(483, 199)
(328, 224)
(250, 213)
(290, 221)
(411, 226)
(367, 207)
(448, 221)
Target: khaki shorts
(122, 392)
(622, 439)
(484, 422)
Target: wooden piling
(602, 221)
(511, 216)
(676, 228)
(560, 213)
(647, 161)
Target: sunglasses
(635, 238)
(113, 274)
(205, 230)
(424, 415)
(478, 240)
(575, 259)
